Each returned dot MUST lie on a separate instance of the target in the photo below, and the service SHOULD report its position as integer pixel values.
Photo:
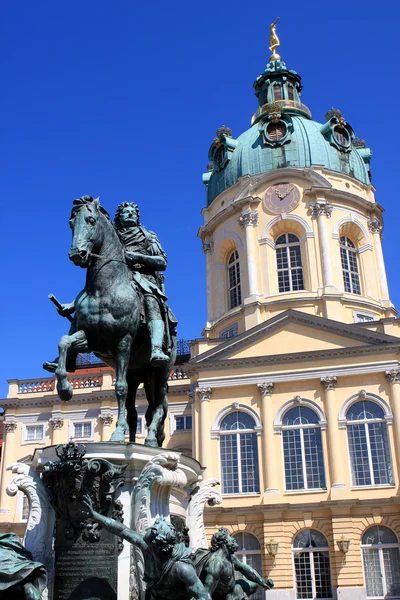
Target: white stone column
(394, 379)
(9, 446)
(204, 395)
(208, 248)
(322, 211)
(56, 422)
(335, 453)
(268, 451)
(249, 220)
(375, 227)
(106, 419)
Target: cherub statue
(20, 577)
(169, 569)
(216, 568)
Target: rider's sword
(59, 306)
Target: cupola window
(351, 274)
(289, 265)
(277, 92)
(235, 291)
(290, 92)
(342, 136)
(276, 131)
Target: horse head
(87, 232)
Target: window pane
(380, 453)
(288, 262)
(314, 458)
(82, 430)
(359, 455)
(310, 538)
(365, 409)
(372, 569)
(379, 534)
(247, 541)
(139, 426)
(293, 460)
(322, 574)
(237, 420)
(229, 464)
(302, 565)
(300, 415)
(180, 423)
(391, 561)
(34, 432)
(249, 462)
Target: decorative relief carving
(10, 426)
(208, 246)
(204, 393)
(319, 209)
(329, 383)
(375, 225)
(106, 418)
(56, 422)
(393, 376)
(298, 399)
(250, 217)
(362, 394)
(265, 388)
(204, 493)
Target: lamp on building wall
(272, 549)
(343, 546)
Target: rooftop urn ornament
(274, 41)
(272, 549)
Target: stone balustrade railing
(36, 386)
(86, 381)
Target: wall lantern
(343, 546)
(272, 549)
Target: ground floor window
(312, 565)
(249, 553)
(381, 558)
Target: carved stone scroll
(204, 493)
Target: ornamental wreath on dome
(357, 143)
(333, 112)
(226, 131)
(274, 111)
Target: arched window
(249, 552)
(368, 444)
(235, 292)
(288, 262)
(302, 449)
(239, 455)
(351, 273)
(312, 565)
(381, 558)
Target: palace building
(291, 397)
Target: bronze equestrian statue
(121, 315)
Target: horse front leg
(78, 343)
(121, 387)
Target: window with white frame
(302, 449)
(239, 455)
(381, 560)
(82, 430)
(139, 426)
(234, 285)
(369, 447)
(351, 273)
(362, 317)
(183, 423)
(288, 262)
(230, 331)
(34, 433)
(312, 565)
(249, 553)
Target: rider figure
(145, 258)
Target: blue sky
(122, 99)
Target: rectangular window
(277, 92)
(363, 318)
(290, 92)
(230, 331)
(34, 433)
(183, 423)
(139, 426)
(82, 430)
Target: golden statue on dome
(274, 40)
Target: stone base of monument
(129, 482)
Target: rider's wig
(120, 209)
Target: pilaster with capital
(9, 445)
(334, 443)
(322, 211)
(204, 396)
(267, 417)
(393, 377)
(56, 423)
(375, 227)
(106, 418)
(249, 221)
(208, 248)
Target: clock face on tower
(282, 198)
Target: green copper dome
(283, 135)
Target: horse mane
(83, 200)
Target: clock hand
(288, 192)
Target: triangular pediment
(294, 332)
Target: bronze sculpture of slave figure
(20, 577)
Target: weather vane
(274, 40)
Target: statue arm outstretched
(133, 537)
(251, 573)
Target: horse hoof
(65, 393)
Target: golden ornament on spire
(274, 40)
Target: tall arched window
(381, 558)
(302, 449)
(249, 552)
(239, 455)
(235, 292)
(312, 565)
(368, 444)
(351, 273)
(288, 262)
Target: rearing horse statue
(108, 323)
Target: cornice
(42, 400)
(208, 228)
(347, 198)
